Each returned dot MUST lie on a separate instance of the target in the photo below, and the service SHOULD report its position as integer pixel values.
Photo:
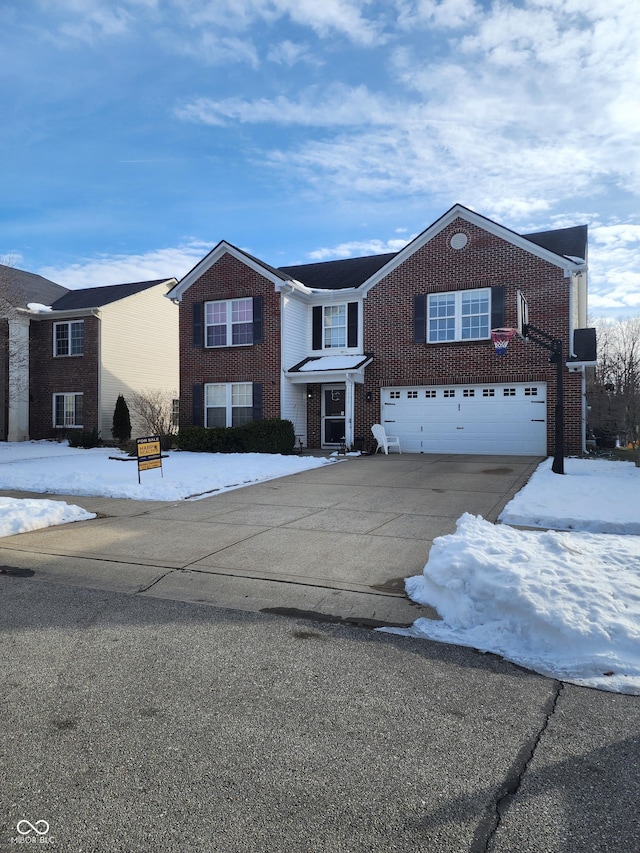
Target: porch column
(349, 411)
(18, 425)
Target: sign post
(149, 456)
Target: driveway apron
(335, 542)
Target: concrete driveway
(334, 542)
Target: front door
(333, 417)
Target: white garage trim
(506, 418)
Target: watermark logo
(33, 833)
(24, 827)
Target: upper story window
(463, 315)
(335, 327)
(68, 338)
(228, 322)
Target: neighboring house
(17, 290)
(82, 348)
(402, 339)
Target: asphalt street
(132, 723)
(154, 696)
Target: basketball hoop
(501, 339)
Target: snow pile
(593, 495)
(20, 516)
(564, 604)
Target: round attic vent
(458, 241)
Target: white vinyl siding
(139, 352)
(295, 346)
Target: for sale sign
(149, 455)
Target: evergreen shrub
(271, 435)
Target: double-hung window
(463, 315)
(68, 338)
(67, 410)
(335, 326)
(228, 322)
(228, 404)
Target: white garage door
(494, 419)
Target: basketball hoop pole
(554, 345)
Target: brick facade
(488, 259)
(62, 374)
(485, 261)
(228, 278)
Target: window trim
(458, 296)
(327, 329)
(229, 407)
(69, 338)
(65, 395)
(228, 323)
(352, 327)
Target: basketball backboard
(523, 315)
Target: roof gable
(224, 248)
(458, 211)
(96, 297)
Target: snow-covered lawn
(564, 602)
(56, 468)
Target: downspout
(96, 314)
(349, 404)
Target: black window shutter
(352, 324)
(316, 328)
(197, 324)
(420, 318)
(497, 307)
(257, 401)
(197, 406)
(257, 320)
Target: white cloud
(213, 48)
(171, 262)
(88, 19)
(446, 14)
(338, 106)
(614, 278)
(358, 248)
(290, 53)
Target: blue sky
(136, 134)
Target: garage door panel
(491, 419)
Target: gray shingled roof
(24, 287)
(352, 272)
(95, 297)
(337, 275)
(569, 242)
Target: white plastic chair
(384, 441)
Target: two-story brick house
(74, 354)
(402, 339)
